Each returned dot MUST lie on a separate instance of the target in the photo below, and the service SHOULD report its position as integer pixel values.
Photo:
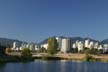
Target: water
(54, 66)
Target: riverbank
(73, 57)
(44, 56)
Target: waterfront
(54, 66)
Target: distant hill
(104, 41)
(9, 42)
(74, 39)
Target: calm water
(54, 66)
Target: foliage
(52, 46)
(100, 51)
(86, 50)
(26, 54)
(91, 51)
(94, 51)
(8, 50)
(74, 50)
(42, 50)
(88, 57)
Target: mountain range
(74, 39)
(9, 42)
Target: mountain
(9, 42)
(104, 41)
(74, 39)
(44, 41)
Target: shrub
(26, 54)
(88, 57)
(8, 50)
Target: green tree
(86, 50)
(94, 51)
(100, 51)
(90, 51)
(26, 54)
(88, 57)
(74, 50)
(52, 46)
(8, 50)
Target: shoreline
(76, 56)
(70, 57)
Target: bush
(100, 51)
(86, 50)
(74, 50)
(93, 51)
(8, 50)
(88, 57)
(42, 50)
(26, 54)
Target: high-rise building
(96, 45)
(65, 45)
(14, 44)
(77, 43)
(105, 47)
(74, 46)
(100, 47)
(80, 46)
(91, 45)
(87, 43)
(24, 46)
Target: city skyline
(36, 20)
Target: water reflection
(54, 66)
(50, 66)
(2, 66)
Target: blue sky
(35, 20)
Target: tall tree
(52, 46)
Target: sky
(36, 20)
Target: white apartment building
(77, 43)
(45, 46)
(36, 47)
(100, 47)
(96, 45)
(105, 47)
(65, 45)
(14, 46)
(87, 43)
(74, 46)
(91, 45)
(80, 46)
